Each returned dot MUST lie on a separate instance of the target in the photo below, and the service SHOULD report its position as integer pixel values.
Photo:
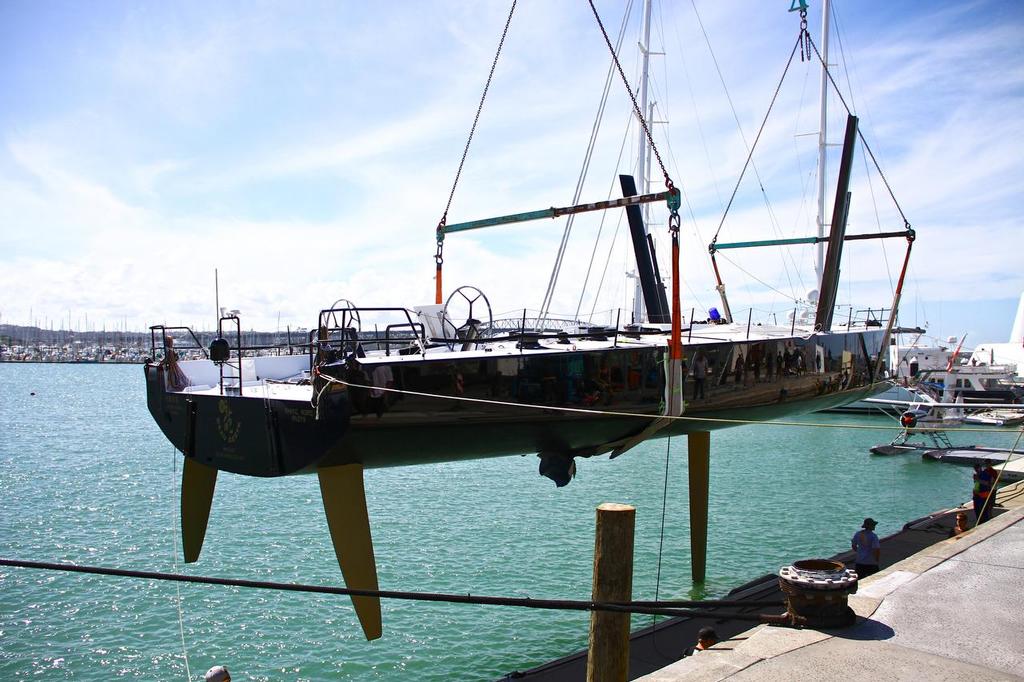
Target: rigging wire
(697, 119)
(860, 134)
(755, 277)
(671, 151)
(739, 126)
(607, 262)
(600, 231)
(438, 256)
(707, 156)
(772, 218)
(867, 172)
(636, 107)
(661, 534)
(750, 155)
(786, 252)
(174, 555)
(591, 145)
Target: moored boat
(435, 383)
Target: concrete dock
(952, 611)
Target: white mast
(639, 313)
(822, 157)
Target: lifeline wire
(613, 413)
(659, 608)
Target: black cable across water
(666, 608)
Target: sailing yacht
(428, 384)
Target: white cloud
(196, 129)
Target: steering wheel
(352, 313)
(463, 297)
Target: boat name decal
(227, 427)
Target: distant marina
(35, 344)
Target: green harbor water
(87, 478)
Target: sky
(306, 152)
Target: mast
(639, 314)
(822, 156)
(830, 277)
(647, 268)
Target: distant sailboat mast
(639, 310)
(822, 145)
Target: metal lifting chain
(805, 36)
(438, 257)
(674, 193)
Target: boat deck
(262, 390)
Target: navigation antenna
(216, 296)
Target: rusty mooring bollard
(817, 592)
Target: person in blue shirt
(868, 549)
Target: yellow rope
(991, 499)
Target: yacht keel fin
(345, 505)
(197, 484)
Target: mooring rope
(667, 608)
(990, 501)
(661, 535)
(635, 415)
(174, 559)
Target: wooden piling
(608, 655)
(699, 465)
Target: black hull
(246, 435)
(473, 408)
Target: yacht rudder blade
(345, 505)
